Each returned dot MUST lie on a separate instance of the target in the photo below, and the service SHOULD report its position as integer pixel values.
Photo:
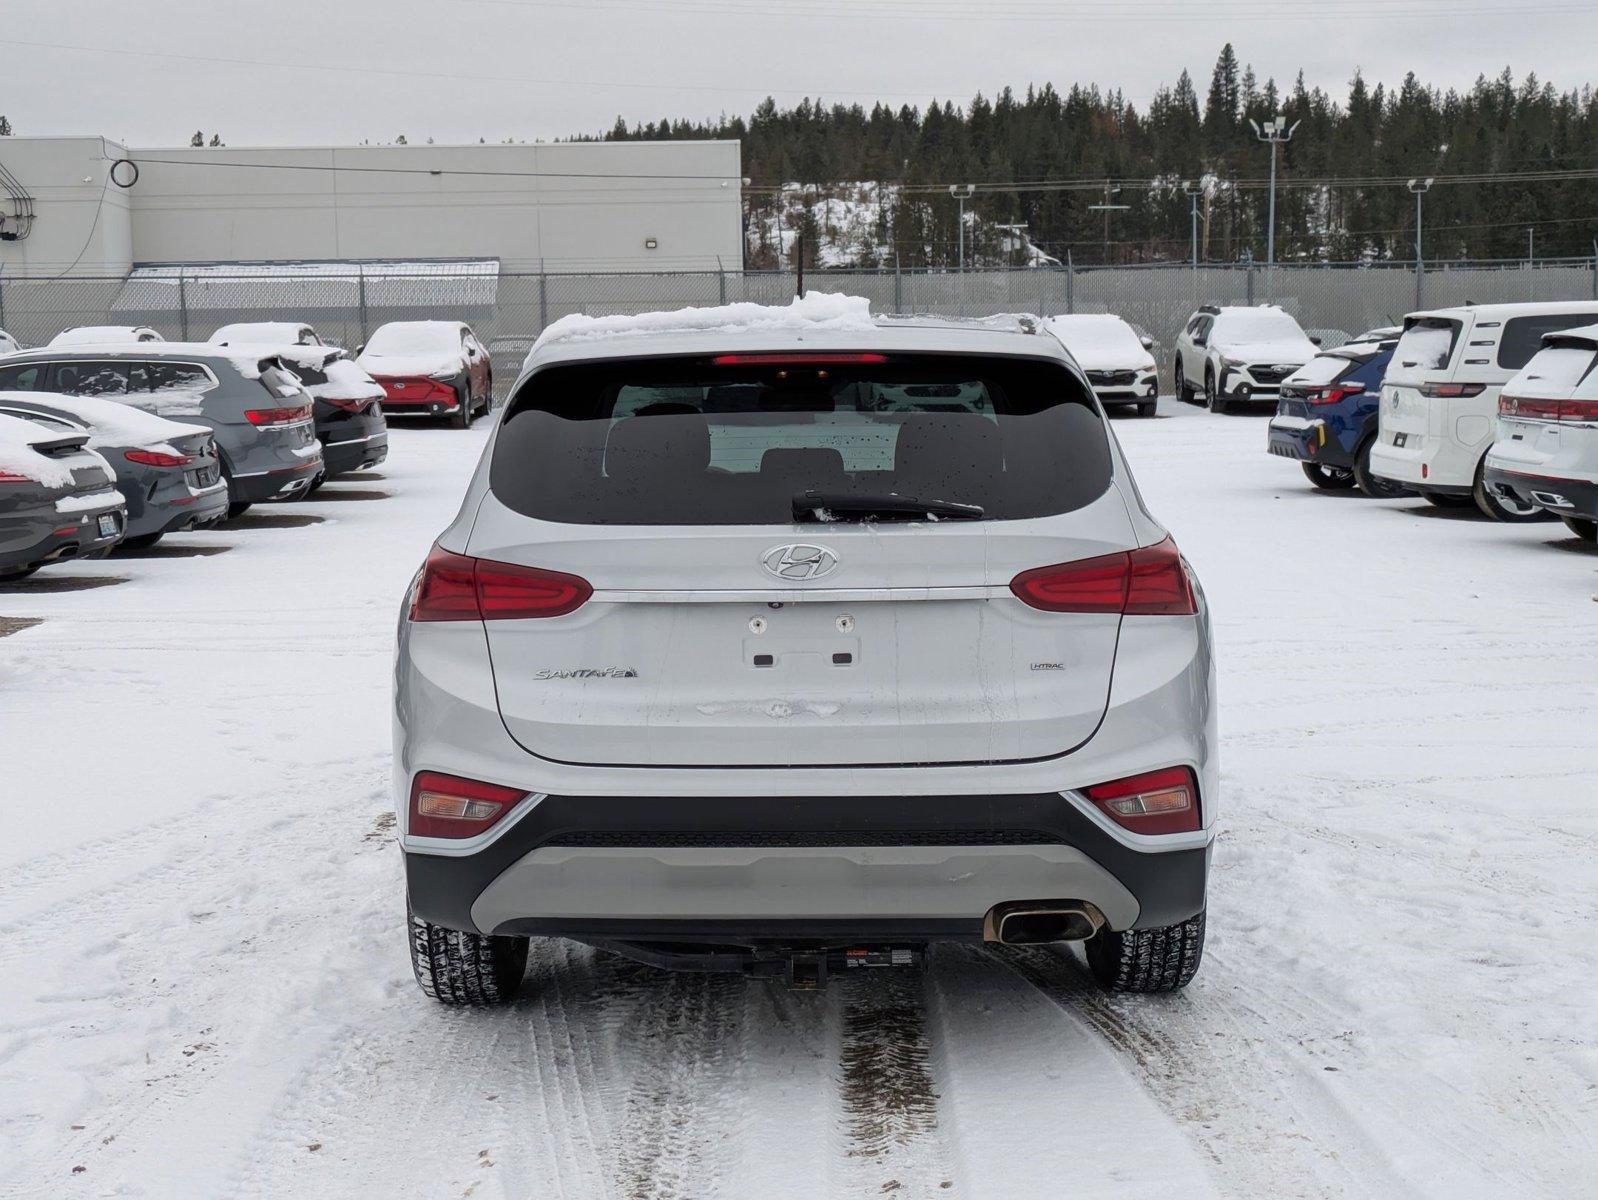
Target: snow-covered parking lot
(204, 988)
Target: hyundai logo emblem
(799, 562)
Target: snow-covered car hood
(392, 365)
(1099, 358)
(1284, 351)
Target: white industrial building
(88, 206)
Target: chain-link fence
(508, 310)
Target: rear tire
(1443, 500)
(12, 574)
(1369, 483)
(1212, 395)
(1331, 479)
(463, 412)
(142, 542)
(466, 970)
(1163, 959)
(1146, 409)
(1499, 509)
(238, 509)
(1586, 530)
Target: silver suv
(786, 649)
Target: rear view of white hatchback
(794, 647)
(1547, 448)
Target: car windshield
(1250, 328)
(737, 440)
(422, 337)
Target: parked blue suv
(1326, 416)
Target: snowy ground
(204, 988)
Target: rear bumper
(277, 484)
(70, 536)
(171, 515)
(1307, 441)
(1558, 494)
(717, 868)
(354, 454)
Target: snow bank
(18, 457)
(258, 332)
(103, 335)
(110, 422)
(813, 313)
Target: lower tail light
(157, 458)
(457, 587)
(350, 406)
(1151, 581)
(1157, 802)
(285, 415)
(447, 806)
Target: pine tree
(5, 126)
(198, 139)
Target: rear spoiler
(56, 445)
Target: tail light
(351, 406)
(1153, 581)
(157, 458)
(286, 415)
(446, 806)
(456, 587)
(1337, 394)
(1539, 409)
(1157, 802)
(1451, 391)
(13, 477)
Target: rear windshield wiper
(889, 506)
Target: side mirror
(1201, 341)
(1315, 341)
(361, 349)
(1148, 343)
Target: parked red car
(430, 368)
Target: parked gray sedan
(256, 407)
(167, 471)
(56, 496)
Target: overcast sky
(290, 72)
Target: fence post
(1248, 279)
(1070, 282)
(721, 280)
(3, 293)
(543, 298)
(366, 333)
(183, 305)
(1594, 278)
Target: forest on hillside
(867, 186)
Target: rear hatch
(1423, 357)
(802, 561)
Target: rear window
(695, 442)
(1523, 336)
(1321, 370)
(1427, 344)
(1556, 370)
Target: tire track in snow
(886, 1091)
(1266, 1127)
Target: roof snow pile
(111, 423)
(346, 381)
(18, 457)
(816, 312)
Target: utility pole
(962, 192)
(1531, 245)
(1276, 132)
(1420, 187)
(1194, 191)
(1107, 208)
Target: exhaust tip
(1039, 922)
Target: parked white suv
(1547, 448)
(1439, 404)
(1238, 355)
(791, 640)
(1117, 360)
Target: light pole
(1420, 187)
(1107, 208)
(962, 192)
(1194, 191)
(1277, 132)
